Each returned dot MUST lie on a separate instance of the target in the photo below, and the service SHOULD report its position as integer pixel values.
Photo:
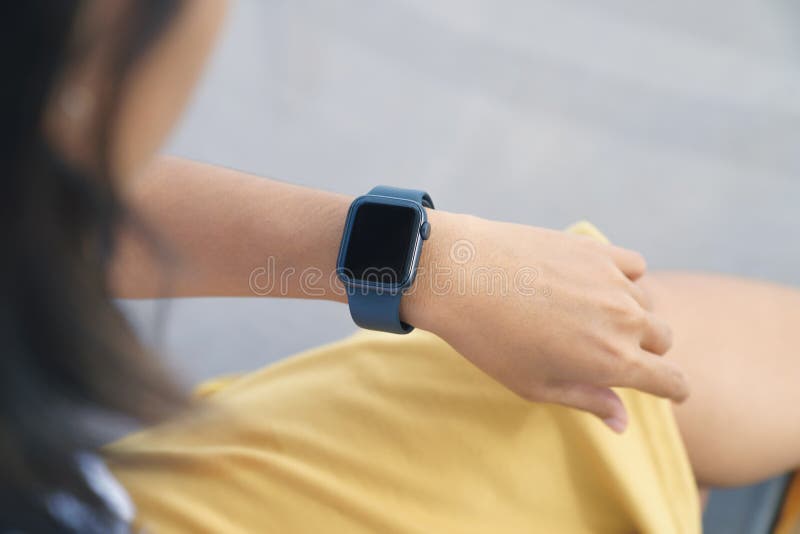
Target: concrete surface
(673, 125)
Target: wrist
(424, 304)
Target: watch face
(382, 240)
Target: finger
(653, 374)
(641, 295)
(600, 401)
(657, 335)
(629, 262)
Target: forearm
(584, 329)
(227, 233)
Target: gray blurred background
(674, 125)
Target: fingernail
(617, 424)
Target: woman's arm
(227, 233)
(555, 317)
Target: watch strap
(377, 309)
(397, 192)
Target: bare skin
(737, 341)
(594, 332)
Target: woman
(477, 424)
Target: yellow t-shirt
(400, 434)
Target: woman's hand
(553, 316)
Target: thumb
(599, 401)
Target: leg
(400, 434)
(738, 342)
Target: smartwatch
(379, 254)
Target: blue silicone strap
(375, 309)
(396, 192)
(379, 309)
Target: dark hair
(68, 354)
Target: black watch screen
(381, 244)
